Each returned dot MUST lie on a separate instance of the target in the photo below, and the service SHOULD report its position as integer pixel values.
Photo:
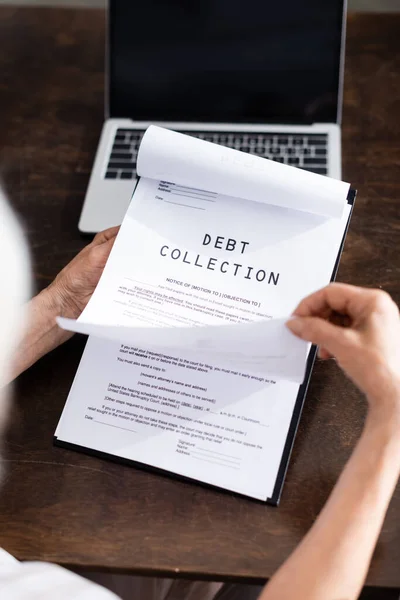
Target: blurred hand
(366, 343)
(72, 288)
(67, 296)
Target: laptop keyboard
(306, 151)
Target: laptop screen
(233, 61)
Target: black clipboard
(294, 423)
(301, 396)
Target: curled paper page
(178, 158)
(265, 348)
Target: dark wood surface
(72, 509)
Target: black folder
(275, 498)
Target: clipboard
(301, 396)
(290, 438)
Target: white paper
(266, 347)
(224, 429)
(204, 376)
(174, 157)
(177, 299)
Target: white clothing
(43, 581)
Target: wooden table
(83, 512)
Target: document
(171, 156)
(207, 261)
(189, 366)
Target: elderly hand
(367, 348)
(67, 296)
(72, 288)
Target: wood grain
(83, 512)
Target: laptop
(259, 76)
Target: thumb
(100, 253)
(320, 332)
(106, 235)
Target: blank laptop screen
(243, 61)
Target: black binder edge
(290, 438)
(301, 396)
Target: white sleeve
(44, 581)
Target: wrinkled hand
(74, 285)
(67, 296)
(367, 348)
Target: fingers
(348, 300)
(323, 354)
(99, 253)
(106, 235)
(337, 297)
(331, 338)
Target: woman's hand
(67, 296)
(367, 347)
(361, 329)
(74, 285)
